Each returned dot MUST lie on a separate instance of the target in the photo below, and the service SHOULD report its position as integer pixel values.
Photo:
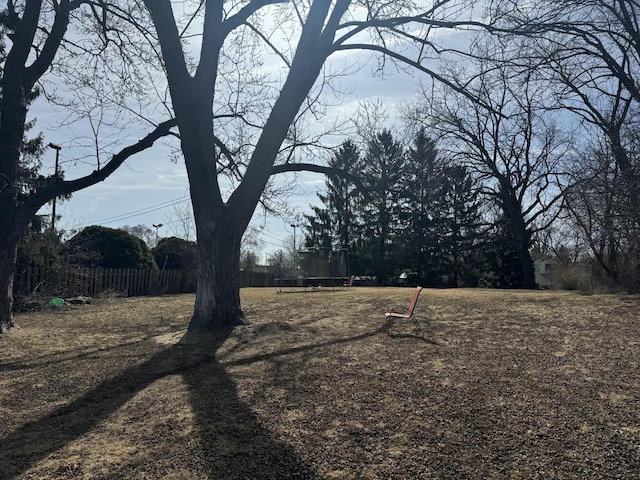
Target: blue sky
(146, 188)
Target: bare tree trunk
(6, 286)
(219, 228)
(8, 251)
(526, 264)
(521, 236)
(629, 175)
(217, 304)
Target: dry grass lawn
(505, 385)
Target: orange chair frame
(408, 313)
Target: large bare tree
(36, 31)
(588, 52)
(513, 147)
(603, 35)
(198, 74)
(600, 212)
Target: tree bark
(520, 234)
(217, 304)
(8, 250)
(12, 227)
(629, 174)
(526, 264)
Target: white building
(544, 268)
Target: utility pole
(295, 245)
(57, 148)
(157, 226)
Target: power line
(175, 221)
(143, 211)
(273, 244)
(159, 206)
(273, 236)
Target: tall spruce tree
(385, 210)
(424, 171)
(458, 226)
(319, 231)
(342, 195)
(445, 217)
(334, 224)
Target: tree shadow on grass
(75, 354)
(233, 442)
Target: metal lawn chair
(399, 312)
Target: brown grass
(505, 385)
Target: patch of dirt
(277, 331)
(505, 385)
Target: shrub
(105, 247)
(175, 253)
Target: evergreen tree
(442, 239)
(385, 210)
(319, 233)
(342, 193)
(459, 226)
(424, 170)
(173, 253)
(334, 226)
(418, 213)
(107, 248)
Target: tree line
(539, 156)
(417, 212)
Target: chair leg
(417, 324)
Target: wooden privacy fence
(93, 281)
(132, 282)
(257, 279)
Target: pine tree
(319, 233)
(385, 210)
(460, 225)
(334, 225)
(424, 183)
(443, 236)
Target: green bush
(105, 247)
(175, 253)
